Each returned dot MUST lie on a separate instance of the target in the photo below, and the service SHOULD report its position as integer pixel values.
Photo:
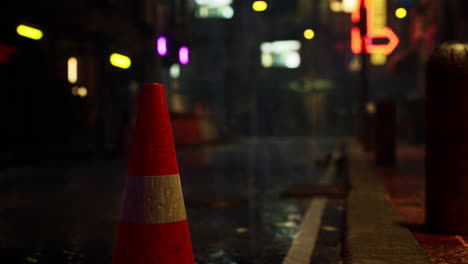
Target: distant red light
(4, 58)
(6, 52)
(339, 47)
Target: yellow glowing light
(82, 92)
(267, 60)
(120, 61)
(378, 59)
(259, 6)
(336, 6)
(379, 13)
(29, 32)
(72, 70)
(309, 34)
(349, 5)
(401, 13)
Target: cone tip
(152, 151)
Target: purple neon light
(184, 55)
(162, 46)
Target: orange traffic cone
(153, 227)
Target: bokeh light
(161, 46)
(29, 32)
(184, 57)
(336, 6)
(292, 60)
(174, 71)
(259, 6)
(120, 61)
(309, 34)
(82, 92)
(401, 13)
(72, 70)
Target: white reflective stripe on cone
(153, 200)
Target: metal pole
(364, 75)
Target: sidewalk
(375, 231)
(405, 185)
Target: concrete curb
(375, 231)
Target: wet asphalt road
(67, 212)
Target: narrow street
(66, 212)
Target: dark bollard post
(385, 133)
(447, 139)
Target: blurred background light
(336, 6)
(29, 32)
(349, 5)
(227, 11)
(184, 57)
(72, 70)
(174, 71)
(214, 9)
(161, 46)
(309, 34)
(292, 60)
(259, 6)
(267, 60)
(282, 54)
(370, 108)
(280, 46)
(213, 3)
(203, 12)
(355, 64)
(401, 13)
(224, 12)
(120, 61)
(459, 47)
(378, 59)
(82, 92)
(305, 86)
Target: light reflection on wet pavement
(67, 213)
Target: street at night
(234, 132)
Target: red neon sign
(356, 13)
(387, 48)
(372, 33)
